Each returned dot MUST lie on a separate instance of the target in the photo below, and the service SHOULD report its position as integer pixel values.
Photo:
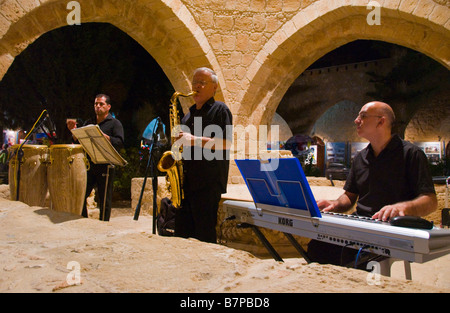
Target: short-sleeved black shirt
(399, 173)
(200, 171)
(113, 128)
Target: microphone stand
(20, 152)
(150, 165)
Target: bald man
(389, 178)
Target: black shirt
(113, 128)
(204, 167)
(399, 173)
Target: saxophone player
(205, 178)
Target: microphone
(162, 138)
(155, 131)
(43, 118)
(51, 134)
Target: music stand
(100, 150)
(97, 146)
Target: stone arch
(320, 89)
(167, 31)
(336, 124)
(324, 26)
(432, 121)
(284, 132)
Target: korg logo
(285, 221)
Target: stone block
(4, 25)
(439, 15)
(11, 10)
(147, 198)
(224, 22)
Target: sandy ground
(46, 251)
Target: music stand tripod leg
(19, 158)
(155, 193)
(106, 190)
(138, 206)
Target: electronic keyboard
(283, 201)
(375, 236)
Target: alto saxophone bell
(169, 163)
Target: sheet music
(97, 146)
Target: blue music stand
(279, 183)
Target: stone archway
(167, 31)
(432, 121)
(336, 124)
(324, 26)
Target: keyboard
(375, 236)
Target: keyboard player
(389, 178)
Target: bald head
(382, 109)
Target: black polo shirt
(204, 168)
(399, 173)
(113, 128)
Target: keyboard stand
(270, 248)
(386, 264)
(297, 246)
(263, 239)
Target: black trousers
(327, 253)
(96, 176)
(197, 218)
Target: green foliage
(123, 175)
(311, 170)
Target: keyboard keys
(353, 217)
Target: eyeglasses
(200, 82)
(363, 116)
(99, 103)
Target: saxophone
(171, 163)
